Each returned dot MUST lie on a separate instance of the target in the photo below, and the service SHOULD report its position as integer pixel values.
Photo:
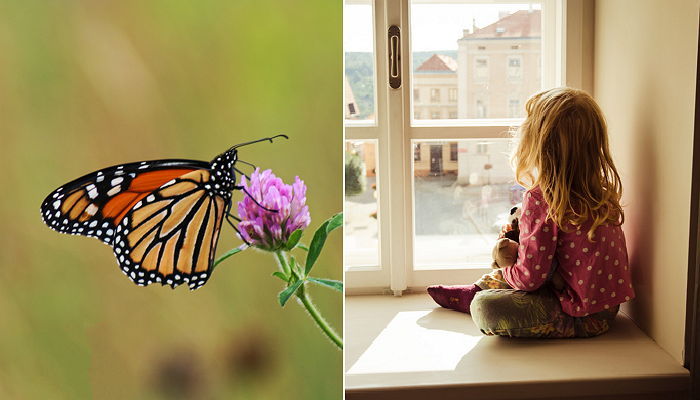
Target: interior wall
(645, 55)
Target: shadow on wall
(640, 217)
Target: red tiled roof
(520, 24)
(438, 63)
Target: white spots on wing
(92, 193)
(58, 214)
(99, 178)
(150, 198)
(143, 166)
(114, 190)
(93, 224)
(91, 209)
(138, 205)
(56, 204)
(117, 181)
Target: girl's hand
(505, 229)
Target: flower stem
(320, 321)
(306, 302)
(282, 259)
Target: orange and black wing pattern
(170, 236)
(138, 209)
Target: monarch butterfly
(162, 218)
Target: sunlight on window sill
(414, 341)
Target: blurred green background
(88, 84)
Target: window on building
(452, 95)
(514, 109)
(480, 109)
(453, 151)
(514, 68)
(416, 115)
(416, 152)
(416, 95)
(435, 114)
(435, 95)
(481, 69)
(453, 114)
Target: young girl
(571, 216)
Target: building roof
(438, 63)
(520, 24)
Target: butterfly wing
(93, 205)
(171, 235)
(160, 217)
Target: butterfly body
(162, 218)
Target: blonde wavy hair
(564, 150)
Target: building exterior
(497, 69)
(499, 66)
(435, 88)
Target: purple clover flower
(269, 230)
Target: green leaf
(293, 239)
(320, 239)
(334, 222)
(337, 285)
(303, 247)
(227, 255)
(288, 292)
(280, 275)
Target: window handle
(394, 57)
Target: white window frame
(395, 130)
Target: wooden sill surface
(401, 345)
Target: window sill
(408, 347)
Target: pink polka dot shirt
(597, 274)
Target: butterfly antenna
(259, 140)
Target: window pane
(361, 242)
(358, 42)
(483, 56)
(463, 191)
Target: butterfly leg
(246, 163)
(233, 225)
(241, 173)
(234, 217)
(228, 214)
(253, 198)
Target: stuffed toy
(504, 254)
